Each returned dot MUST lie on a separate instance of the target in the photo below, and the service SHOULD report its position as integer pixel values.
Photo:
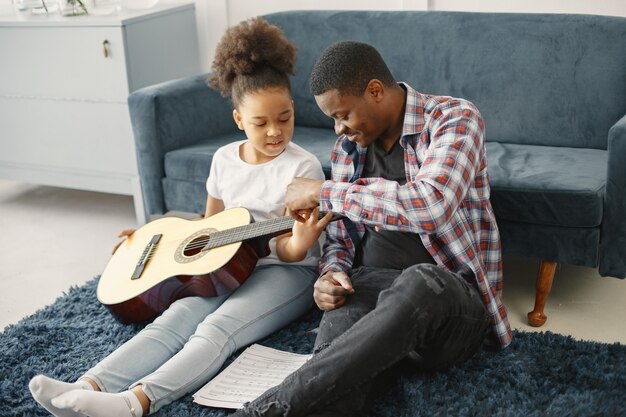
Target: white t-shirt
(260, 188)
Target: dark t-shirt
(389, 249)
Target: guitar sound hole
(195, 246)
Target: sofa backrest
(543, 79)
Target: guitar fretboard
(249, 231)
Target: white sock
(100, 404)
(44, 389)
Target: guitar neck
(269, 227)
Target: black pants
(423, 311)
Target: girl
(187, 345)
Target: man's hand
(302, 194)
(331, 289)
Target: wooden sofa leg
(536, 318)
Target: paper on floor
(257, 369)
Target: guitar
(171, 258)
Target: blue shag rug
(540, 374)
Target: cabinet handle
(105, 46)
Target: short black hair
(348, 66)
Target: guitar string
(240, 233)
(237, 234)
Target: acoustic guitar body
(167, 259)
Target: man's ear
(375, 90)
(237, 118)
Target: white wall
(214, 16)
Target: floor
(53, 238)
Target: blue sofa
(551, 88)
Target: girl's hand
(293, 247)
(306, 233)
(125, 234)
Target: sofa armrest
(613, 240)
(168, 116)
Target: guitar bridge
(146, 255)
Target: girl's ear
(237, 118)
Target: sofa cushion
(569, 245)
(193, 163)
(185, 196)
(547, 185)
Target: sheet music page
(256, 370)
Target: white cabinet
(64, 83)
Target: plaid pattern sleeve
(445, 199)
(339, 250)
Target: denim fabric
(187, 345)
(423, 311)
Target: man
(415, 267)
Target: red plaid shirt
(445, 199)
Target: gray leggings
(187, 345)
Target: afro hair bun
(248, 47)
